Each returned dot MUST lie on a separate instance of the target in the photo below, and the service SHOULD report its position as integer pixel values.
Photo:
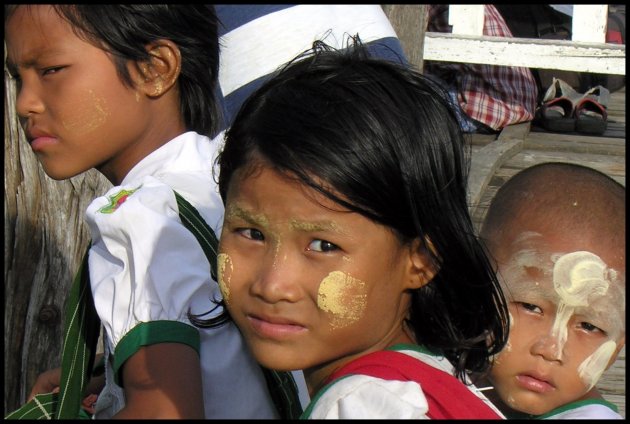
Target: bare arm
(163, 381)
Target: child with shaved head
(557, 233)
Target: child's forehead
(538, 269)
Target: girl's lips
(534, 384)
(40, 143)
(275, 328)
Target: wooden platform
(497, 159)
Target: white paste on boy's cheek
(592, 367)
(342, 296)
(223, 261)
(90, 114)
(577, 276)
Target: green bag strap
(79, 344)
(281, 384)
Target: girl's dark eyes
(322, 246)
(251, 233)
(52, 70)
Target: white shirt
(360, 396)
(147, 270)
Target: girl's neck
(317, 377)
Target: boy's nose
(549, 347)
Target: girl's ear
(159, 74)
(422, 263)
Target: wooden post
(44, 239)
(410, 23)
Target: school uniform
(356, 395)
(148, 271)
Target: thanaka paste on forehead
(342, 296)
(235, 211)
(90, 114)
(223, 261)
(315, 226)
(577, 278)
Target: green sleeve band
(150, 333)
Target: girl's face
(310, 285)
(76, 112)
(567, 312)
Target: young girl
(129, 90)
(347, 240)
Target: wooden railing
(587, 51)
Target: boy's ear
(159, 74)
(422, 263)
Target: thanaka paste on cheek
(343, 297)
(223, 262)
(594, 366)
(578, 277)
(89, 114)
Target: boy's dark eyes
(587, 326)
(530, 307)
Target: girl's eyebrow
(313, 226)
(235, 211)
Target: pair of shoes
(556, 112)
(565, 110)
(590, 111)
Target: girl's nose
(281, 276)
(28, 100)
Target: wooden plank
(410, 22)
(488, 159)
(466, 19)
(534, 53)
(575, 143)
(589, 22)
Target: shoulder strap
(447, 397)
(281, 384)
(201, 230)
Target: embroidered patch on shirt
(116, 200)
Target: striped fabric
(496, 96)
(257, 39)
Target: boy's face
(76, 112)
(567, 310)
(308, 283)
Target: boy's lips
(535, 382)
(39, 139)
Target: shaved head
(578, 205)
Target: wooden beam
(566, 55)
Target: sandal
(558, 104)
(590, 111)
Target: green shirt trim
(150, 333)
(575, 405)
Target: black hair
(124, 30)
(382, 140)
